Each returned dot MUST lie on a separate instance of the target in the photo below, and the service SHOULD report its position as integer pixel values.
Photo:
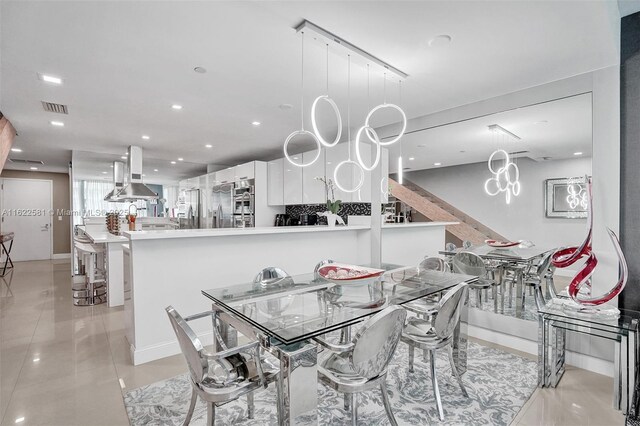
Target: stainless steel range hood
(135, 189)
(118, 181)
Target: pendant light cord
(368, 89)
(327, 70)
(302, 84)
(349, 104)
(385, 87)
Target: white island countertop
(99, 236)
(226, 232)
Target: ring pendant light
(372, 135)
(384, 104)
(349, 160)
(302, 131)
(333, 105)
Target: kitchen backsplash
(346, 209)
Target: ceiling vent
(27, 162)
(57, 108)
(518, 153)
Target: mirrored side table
(555, 321)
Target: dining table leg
(298, 402)
(460, 338)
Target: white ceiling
(551, 130)
(125, 63)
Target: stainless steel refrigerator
(222, 206)
(189, 209)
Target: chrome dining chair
(226, 375)
(469, 263)
(437, 334)
(533, 279)
(361, 365)
(271, 276)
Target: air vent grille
(28, 162)
(57, 108)
(519, 153)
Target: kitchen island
(172, 267)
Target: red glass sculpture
(565, 257)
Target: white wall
(523, 219)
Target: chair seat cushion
(482, 283)
(422, 306)
(419, 330)
(337, 367)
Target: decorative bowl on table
(339, 273)
(501, 244)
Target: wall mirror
(550, 145)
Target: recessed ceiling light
(255, 123)
(124, 157)
(180, 159)
(104, 173)
(295, 158)
(411, 158)
(173, 162)
(440, 40)
(50, 79)
(176, 106)
(437, 164)
(36, 359)
(328, 162)
(155, 170)
(19, 420)
(16, 150)
(57, 123)
(208, 146)
(33, 168)
(200, 70)
(146, 137)
(577, 153)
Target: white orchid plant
(333, 205)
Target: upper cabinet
(312, 189)
(275, 182)
(226, 175)
(245, 171)
(292, 184)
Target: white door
(26, 211)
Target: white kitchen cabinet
(312, 189)
(292, 187)
(245, 171)
(333, 157)
(275, 182)
(226, 175)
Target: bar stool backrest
(446, 320)
(469, 263)
(189, 344)
(375, 343)
(433, 264)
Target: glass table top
(299, 307)
(517, 253)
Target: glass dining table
(287, 313)
(515, 258)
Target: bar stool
(4, 238)
(94, 290)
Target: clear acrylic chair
(437, 333)
(534, 278)
(272, 276)
(226, 375)
(361, 365)
(471, 264)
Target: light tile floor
(65, 365)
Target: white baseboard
(586, 362)
(59, 256)
(163, 350)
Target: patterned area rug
(498, 383)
